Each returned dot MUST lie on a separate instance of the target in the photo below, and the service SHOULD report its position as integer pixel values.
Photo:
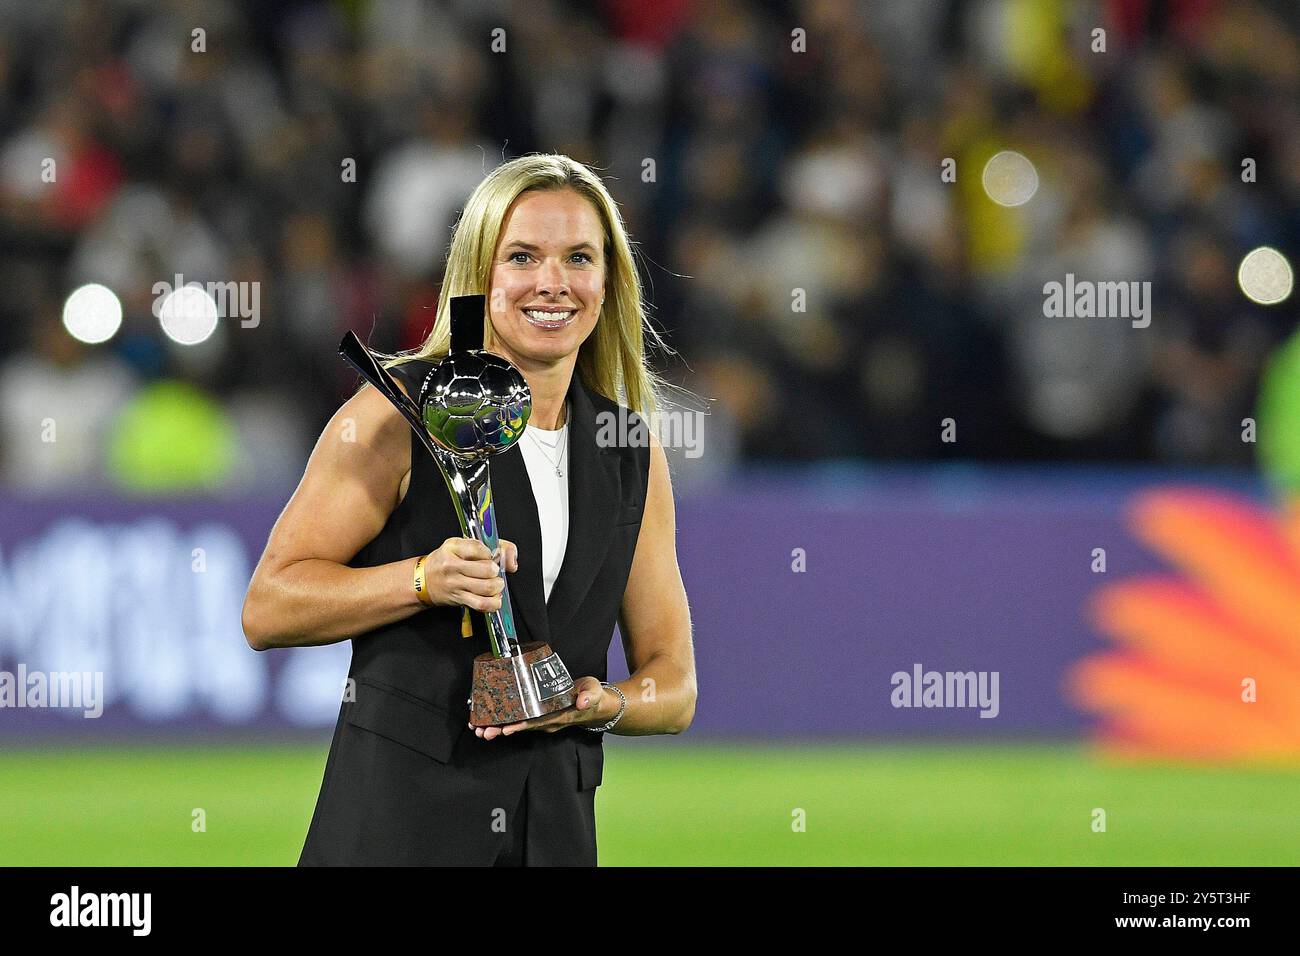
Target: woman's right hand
(461, 572)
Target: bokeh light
(92, 314)
(1010, 179)
(188, 315)
(1265, 276)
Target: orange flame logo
(1208, 662)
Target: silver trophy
(473, 405)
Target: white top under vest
(550, 492)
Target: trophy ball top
(475, 404)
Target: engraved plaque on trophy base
(506, 690)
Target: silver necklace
(564, 441)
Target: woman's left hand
(591, 701)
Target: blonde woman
(591, 532)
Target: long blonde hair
(613, 361)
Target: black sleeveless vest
(406, 780)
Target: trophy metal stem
(471, 492)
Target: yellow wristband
(421, 586)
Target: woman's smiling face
(548, 277)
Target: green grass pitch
(682, 803)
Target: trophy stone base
(506, 690)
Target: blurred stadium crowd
(771, 170)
